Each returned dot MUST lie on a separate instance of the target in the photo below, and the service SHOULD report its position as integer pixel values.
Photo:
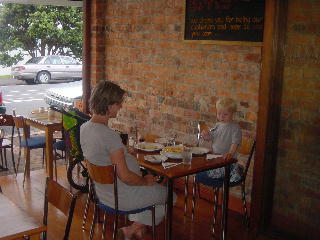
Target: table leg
(225, 202)
(27, 164)
(169, 209)
(27, 153)
(49, 152)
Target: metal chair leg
(86, 209)
(244, 203)
(215, 208)
(153, 223)
(94, 219)
(5, 158)
(194, 196)
(186, 181)
(115, 226)
(104, 225)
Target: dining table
(15, 223)
(49, 123)
(198, 164)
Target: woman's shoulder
(97, 128)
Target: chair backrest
(20, 123)
(247, 147)
(62, 199)
(8, 121)
(1, 137)
(1, 133)
(104, 175)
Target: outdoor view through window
(40, 56)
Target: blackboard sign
(224, 20)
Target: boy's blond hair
(227, 103)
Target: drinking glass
(187, 156)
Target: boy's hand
(227, 156)
(205, 135)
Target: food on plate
(175, 149)
(148, 147)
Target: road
(23, 98)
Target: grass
(5, 76)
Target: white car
(64, 94)
(46, 68)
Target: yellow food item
(173, 149)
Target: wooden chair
(7, 121)
(108, 175)
(247, 148)
(62, 199)
(32, 142)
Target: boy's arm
(231, 152)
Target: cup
(41, 109)
(51, 114)
(187, 156)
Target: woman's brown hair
(104, 94)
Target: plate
(149, 147)
(174, 152)
(156, 159)
(199, 151)
(163, 140)
(213, 156)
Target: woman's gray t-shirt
(97, 142)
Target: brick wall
(172, 84)
(297, 189)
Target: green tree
(43, 29)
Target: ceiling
(74, 3)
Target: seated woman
(103, 146)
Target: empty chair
(7, 121)
(62, 199)
(108, 175)
(247, 148)
(31, 142)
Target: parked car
(46, 68)
(64, 94)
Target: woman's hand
(150, 180)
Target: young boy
(226, 136)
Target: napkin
(211, 156)
(170, 164)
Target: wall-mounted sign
(225, 21)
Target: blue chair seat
(204, 179)
(60, 145)
(34, 142)
(121, 212)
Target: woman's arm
(127, 176)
